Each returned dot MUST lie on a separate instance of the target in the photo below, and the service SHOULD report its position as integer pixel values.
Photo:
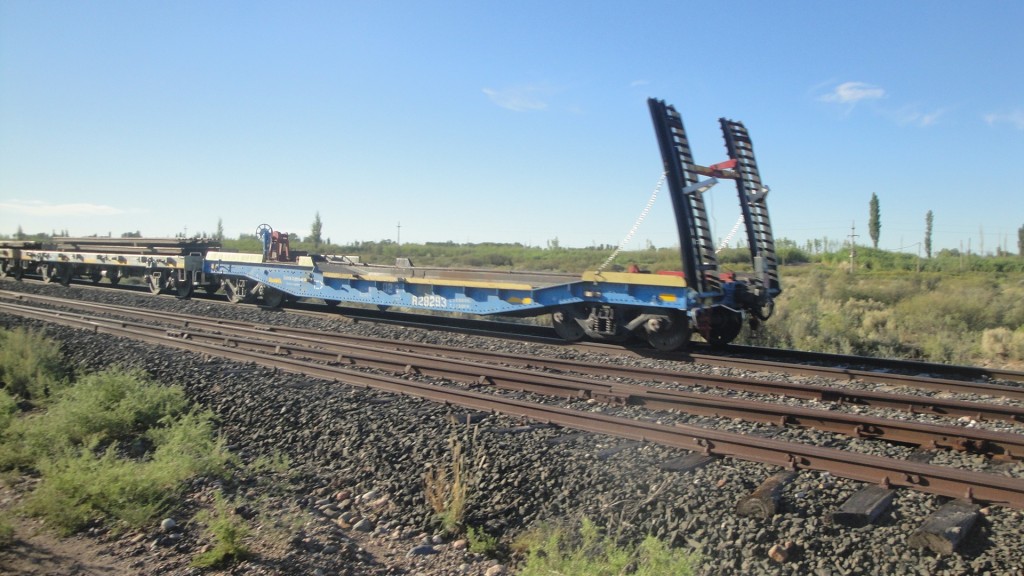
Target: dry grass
(448, 484)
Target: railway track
(887, 371)
(328, 356)
(898, 372)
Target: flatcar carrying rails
(886, 472)
(663, 309)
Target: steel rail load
(665, 309)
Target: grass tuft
(586, 552)
(481, 542)
(447, 485)
(228, 531)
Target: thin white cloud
(520, 98)
(636, 83)
(853, 92)
(913, 116)
(1015, 118)
(40, 208)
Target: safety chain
(728, 237)
(636, 225)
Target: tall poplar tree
(874, 220)
(315, 232)
(928, 220)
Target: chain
(636, 225)
(728, 237)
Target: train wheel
(48, 272)
(157, 284)
(65, 272)
(239, 290)
(725, 326)
(565, 324)
(5, 268)
(17, 271)
(95, 275)
(183, 289)
(272, 297)
(668, 334)
(212, 287)
(114, 275)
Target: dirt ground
(38, 551)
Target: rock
(168, 524)
(781, 552)
(460, 544)
(364, 525)
(496, 570)
(422, 550)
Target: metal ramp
(752, 193)
(700, 265)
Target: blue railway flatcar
(664, 309)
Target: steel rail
(881, 363)
(837, 373)
(889, 472)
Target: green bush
(8, 408)
(111, 406)
(113, 447)
(6, 533)
(31, 367)
(481, 542)
(228, 532)
(588, 553)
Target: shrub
(6, 534)
(112, 405)
(31, 367)
(997, 343)
(228, 532)
(115, 447)
(8, 408)
(481, 542)
(80, 487)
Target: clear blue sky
(478, 121)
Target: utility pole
(853, 244)
(399, 233)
